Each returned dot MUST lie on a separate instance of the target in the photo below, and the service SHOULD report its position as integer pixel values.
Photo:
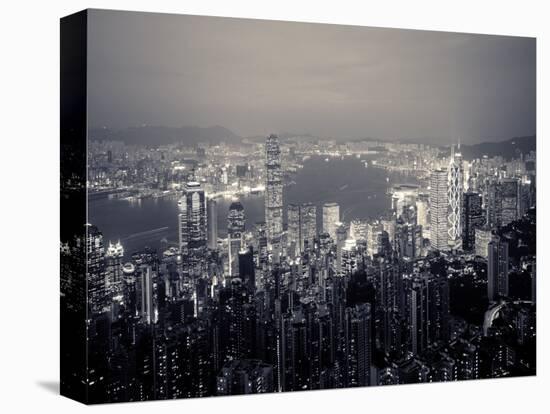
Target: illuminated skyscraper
(483, 236)
(472, 219)
(308, 224)
(422, 208)
(302, 226)
(95, 255)
(510, 200)
(192, 227)
(114, 255)
(235, 235)
(147, 300)
(497, 269)
(358, 336)
(273, 191)
(374, 231)
(331, 218)
(455, 189)
(293, 229)
(358, 229)
(212, 223)
(438, 210)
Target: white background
(29, 92)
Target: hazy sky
(256, 77)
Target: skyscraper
(358, 338)
(212, 223)
(422, 209)
(246, 269)
(455, 190)
(302, 226)
(308, 224)
(147, 308)
(483, 236)
(510, 188)
(95, 255)
(114, 255)
(497, 269)
(472, 219)
(331, 218)
(235, 235)
(273, 191)
(294, 239)
(429, 311)
(439, 236)
(192, 218)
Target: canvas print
(254, 206)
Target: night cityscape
(287, 261)
(441, 287)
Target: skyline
(376, 83)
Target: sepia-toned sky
(256, 77)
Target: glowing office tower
(235, 235)
(455, 190)
(497, 269)
(192, 227)
(293, 235)
(308, 225)
(422, 208)
(273, 191)
(439, 236)
(95, 257)
(113, 256)
(358, 229)
(212, 223)
(331, 218)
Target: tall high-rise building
(212, 223)
(331, 218)
(403, 196)
(147, 307)
(95, 255)
(422, 213)
(341, 237)
(302, 226)
(293, 236)
(497, 269)
(483, 236)
(273, 191)
(358, 229)
(114, 256)
(439, 235)
(510, 190)
(455, 190)
(235, 235)
(349, 257)
(428, 299)
(308, 224)
(358, 339)
(246, 269)
(493, 204)
(192, 218)
(472, 219)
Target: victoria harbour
(152, 222)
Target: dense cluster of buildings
(285, 305)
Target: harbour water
(361, 192)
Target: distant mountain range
(193, 135)
(159, 135)
(508, 149)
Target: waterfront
(360, 191)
